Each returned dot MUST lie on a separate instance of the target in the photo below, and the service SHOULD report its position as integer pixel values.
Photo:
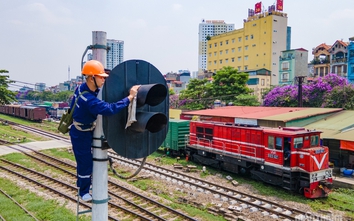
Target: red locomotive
(290, 157)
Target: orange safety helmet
(94, 67)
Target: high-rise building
(257, 45)
(115, 53)
(207, 29)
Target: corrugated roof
(267, 113)
(348, 135)
(303, 113)
(337, 126)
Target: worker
(287, 151)
(87, 108)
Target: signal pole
(100, 156)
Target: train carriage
(33, 113)
(290, 157)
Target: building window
(233, 40)
(246, 47)
(214, 53)
(239, 48)
(209, 45)
(251, 36)
(246, 58)
(262, 82)
(226, 60)
(214, 62)
(232, 59)
(239, 58)
(285, 66)
(239, 67)
(239, 39)
(233, 50)
(285, 76)
(220, 43)
(220, 52)
(227, 42)
(246, 67)
(226, 51)
(215, 44)
(246, 37)
(209, 54)
(220, 61)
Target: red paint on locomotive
(263, 152)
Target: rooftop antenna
(69, 73)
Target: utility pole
(100, 156)
(300, 80)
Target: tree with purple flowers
(329, 91)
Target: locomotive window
(206, 133)
(298, 142)
(278, 143)
(270, 142)
(314, 141)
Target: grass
(13, 135)
(339, 199)
(39, 207)
(335, 200)
(45, 125)
(158, 188)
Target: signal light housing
(145, 135)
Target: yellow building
(257, 45)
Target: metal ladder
(78, 212)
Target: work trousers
(81, 142)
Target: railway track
(133, 204)
(239, 202)
(19, 205)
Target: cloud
(342, 15)
(176, 7)
(43, 14)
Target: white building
(115, 53)
(209, 28)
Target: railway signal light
(145, 135)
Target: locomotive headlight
(262, 167)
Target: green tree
(6, 96)
(64, 96)
(341, 97)
(34, 95)
(228, 84)
(246, 100)
(47, 96)
(196, 96)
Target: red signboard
(280, 5)
(258, 7)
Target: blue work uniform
(87, 108)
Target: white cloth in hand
(131, 113)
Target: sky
(40, 39)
